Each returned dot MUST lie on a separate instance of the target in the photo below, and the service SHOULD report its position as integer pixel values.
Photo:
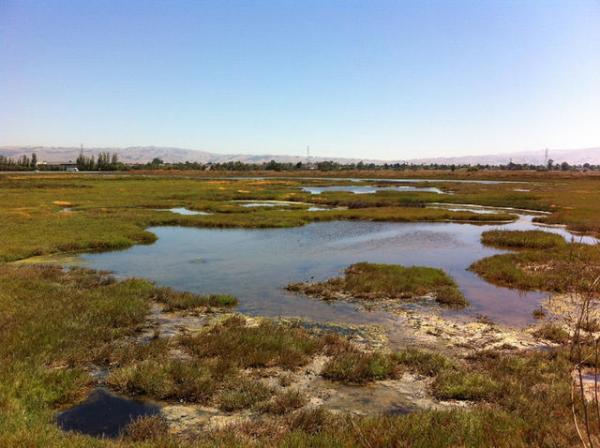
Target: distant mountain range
(143, 154)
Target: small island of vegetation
(368, 281)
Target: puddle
(369, 189)
(184, 211)
(104, 414)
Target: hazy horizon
(379, 80)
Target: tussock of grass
(522, 239)
(357, 367)
(181, 300)
(243, 393)
(265, 345)
(464, 386)
(552, 332)
(423, 362)
(193, 381)
(285, 402)
(152, 428)
(370, 281)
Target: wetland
(157, 310)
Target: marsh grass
(564, 269)
(553, 333)
(472, 386)
(112, 212)
(242, 393)
(424, 362)
(368, 281)
(183, 300)
(153, 428)
(285, 402)
(356, 367)
(522, 239)
(267, 344)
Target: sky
(362, 79)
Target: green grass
(355, 367)
(182, 300)
(368, 281)
(522, 239)
(423, 362)
(265, 345)
(52, 323)
(567, 268)
(243, 393)
(464, 386)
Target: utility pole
(546, 157)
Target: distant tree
(33, 160)
(156, 162)
(550, 164)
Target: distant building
(70, 167)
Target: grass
(522, 239)
(473, 386)
(552, 332)
(355, 367)
(178, 380)
(152, 428)
(285, 402)
(567, 268)
(242, 394)
(423, 362)
(52, 323)
(182, 300)
(368, 281)
(265, 345)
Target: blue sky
(368, 79)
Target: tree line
(360, 166)
(106, 161)
(23, 163)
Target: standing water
(256, 264)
